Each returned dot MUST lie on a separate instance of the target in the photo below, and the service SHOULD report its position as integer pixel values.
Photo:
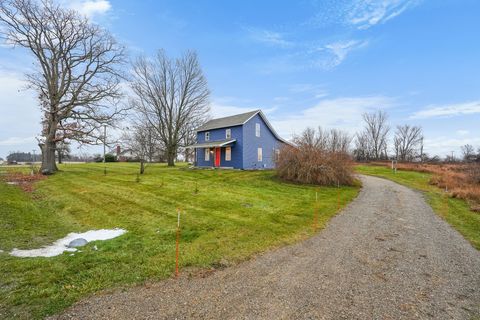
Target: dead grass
(24, 181)
(461, 180)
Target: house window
(257, 129)
(207, 136)
(277, 154)
(228, 133)
(207, 154)
(259, 154)
(228, 153)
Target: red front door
(217, 157)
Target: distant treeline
(19, 156)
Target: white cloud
(269, 37)
(219, 110)
(463, 132)
(445, 145)
(339, 51)
(366, 13)
(451, 110)
(343, 113)
(306, 56)
(91, 8)
(361, 14)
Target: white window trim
(228, 153)
(257, 130)
(207, 136)
(228, 133)
(207, 154)
(259, 155)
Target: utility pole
(104, 148)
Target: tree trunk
(171, 156)
(48, 158)
(142, 166)
(59, 157)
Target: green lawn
(455, 211)
(234, 215)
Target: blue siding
(219, 134)
(267, 141)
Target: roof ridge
(236, 115)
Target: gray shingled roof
(231, 121)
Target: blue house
(243, 141)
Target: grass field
(229, 216)
(455, 211)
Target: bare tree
(468, 152)
(408, 139)
(375, 133)
(63, 150)
(140, 140)
(340, 141)
(172, 95)
(362, 147)
(76, 76)
(334, 140)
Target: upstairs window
(228, 133)
(257, 129)
(207, 136)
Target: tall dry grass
(461, 180)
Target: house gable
(268, 141)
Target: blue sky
(305, 63)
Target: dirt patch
(25, 181)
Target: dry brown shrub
(313, 165)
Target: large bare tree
(407, 142)
(172, 94)
(76, 74)
(375, 134)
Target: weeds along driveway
(387, 256)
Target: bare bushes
(319, 157)
(473, 173)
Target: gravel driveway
(387, 256)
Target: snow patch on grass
(59, 246)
